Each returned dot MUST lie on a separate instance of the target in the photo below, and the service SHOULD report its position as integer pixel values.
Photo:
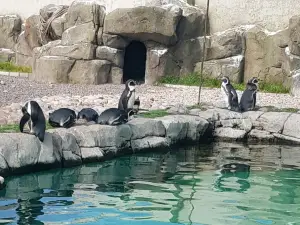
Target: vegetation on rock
(193, 79)
(10, 67)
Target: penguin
(229, 94)
(127, 98)
(88, 114)
(62, 117)
(248, 99)
(136, 105)
(33, 114)
(114, 116)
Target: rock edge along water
(21, 153)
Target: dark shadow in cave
(135, 62)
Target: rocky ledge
(21, 153)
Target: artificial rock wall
(86, 44)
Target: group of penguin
(64, 117)
(127, 107)
(248, 98)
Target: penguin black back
(114, 116)
(63, 117)
(33, 114)
(248, 99)
(88, 114)
(127, 98)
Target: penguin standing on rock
(230, 95)
(33, 114)
(127, 98)
(248, 99)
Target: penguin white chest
(224, 94)
(131, 100)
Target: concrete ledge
(14, 74)
(23, 153)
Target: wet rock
(229, 134)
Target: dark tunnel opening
(135, 62)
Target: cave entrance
(135, 62)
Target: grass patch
(14, 128)
(154, 113)
(274, 109)
(10, 67)
(193, 79)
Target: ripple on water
(180, 187)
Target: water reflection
(211, 184)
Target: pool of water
(180, 186)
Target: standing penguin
(248, 99)
(127, 98)
(230, 95)
(33, 114)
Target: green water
(179, 186)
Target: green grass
(193, 79)
(154, 113)
(9, 128)
(10, 67)
(274, 109)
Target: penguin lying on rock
(62, 117)
(114, 116)
(33, 114)
(88, 114)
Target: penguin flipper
(23, 121)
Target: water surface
(179, 186)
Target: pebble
(2, 82)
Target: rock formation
(85, 43)
(21, 153)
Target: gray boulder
(273, 121)
(260, 135)
(142, 127)
(294, 37)
(54, 69)
(84, 51)
(292, 126)
(82, 33)
(160, 63)
(81, 12)
(10, 28)
(116, 75)
(114, 41)
(92, 154)
(71, 152)
(115, 56)
(148, 143)
(228, 134)
(32, 31)
(225, 44)
(232, 67)
(90, 72)
(144, 23)
(102, 136)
